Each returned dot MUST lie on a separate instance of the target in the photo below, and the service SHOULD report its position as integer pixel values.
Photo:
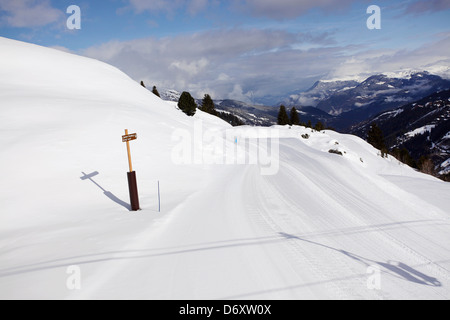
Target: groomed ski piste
(245, 212)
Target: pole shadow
(110, 195)
(398, 269)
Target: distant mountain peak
(384, 91)
(406, 74)
(170, 94)
(321, 90)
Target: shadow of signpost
(106, 193)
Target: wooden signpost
(129, 137)
(132, 182)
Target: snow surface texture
(318, 226)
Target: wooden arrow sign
(129, 137)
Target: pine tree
(404, 156)
(426, 165)
(155, 91)
(208, 105)
(283, 118)
(319, 126)
(142, 84)
(230, 118)
(295, 120)
(376, 139)
(187, 104)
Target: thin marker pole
(159, 199)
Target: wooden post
(132, 182)
(132, 187)
(129, 153)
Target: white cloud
(223, 77)
(29, 13)
(253, 64)
(432, 57)
(191, 68)
(213, 59)
(238, 94)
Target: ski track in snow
(337, 259)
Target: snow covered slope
(246, 213)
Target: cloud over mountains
(254, 64)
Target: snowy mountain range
(351, 103)
(245, 213)
(341, 103)
(320, 91)
(422, 127)
(169, 94)
(380, 93)
(337, 97)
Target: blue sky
(253, 50)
